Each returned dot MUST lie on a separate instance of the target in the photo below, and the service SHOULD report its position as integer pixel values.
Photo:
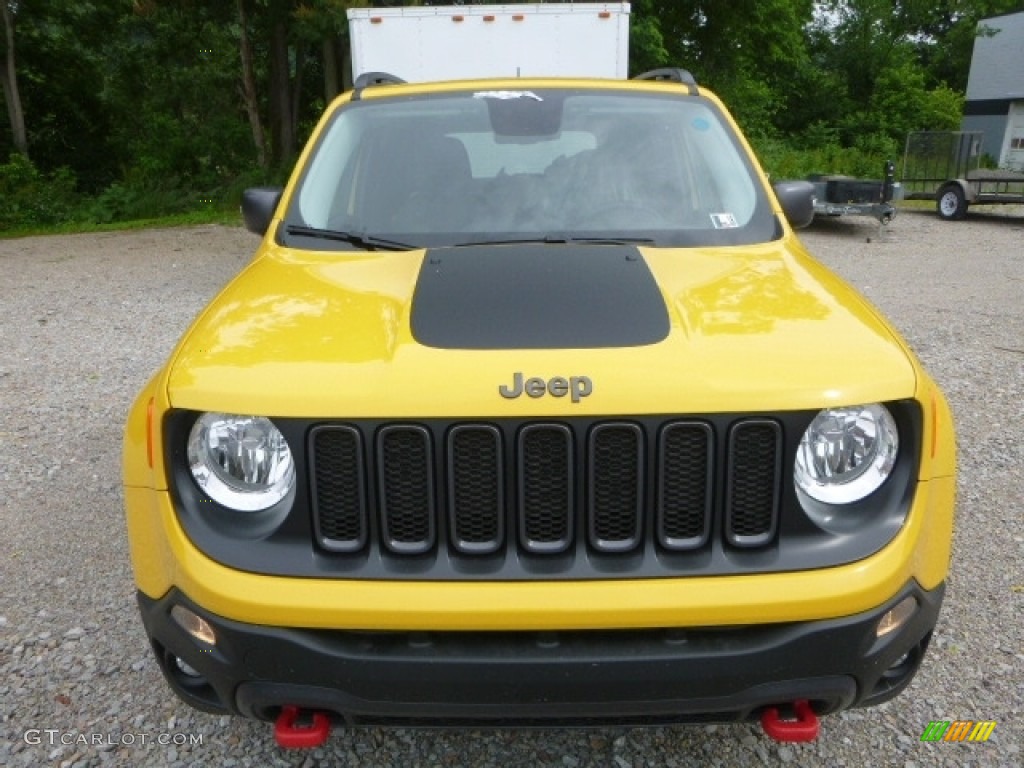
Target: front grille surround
(333, 524)
(685, 487)
(337, 470)
(476, 488)
(615, 486)
(405, 459)
(754, 468)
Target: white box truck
(453, 42)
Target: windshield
(540, 164)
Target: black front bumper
(541, 678)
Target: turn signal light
(195, 625)
(896, 617)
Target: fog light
(896, 617)
(900, 661)
(195, 625)
(185, 667)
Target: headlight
(241, 462)
(846, 453)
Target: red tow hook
(291, 735)
(804, 728)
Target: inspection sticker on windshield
(506, 95)
(724, 221)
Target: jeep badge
(576, 386)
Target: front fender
(142, 456)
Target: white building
(995, 89)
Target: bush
(31, 199)
(140, 199)
(783, 160)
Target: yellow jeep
(532, 409)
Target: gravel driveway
(85, 319)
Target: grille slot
(476, 488)
(616, 477)
(545, 466)
(405, 466)
(339, 504)
(752, 487)
(684, 485)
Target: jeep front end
(532, 409)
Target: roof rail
(673, 75)
(367, 79)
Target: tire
(951, 203)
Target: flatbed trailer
(849, 196)
(945, 166)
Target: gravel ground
(85, 319)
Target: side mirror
(797, 201)
(258, 206)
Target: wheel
(952, 203)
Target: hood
(528, 330)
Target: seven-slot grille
(543, 488)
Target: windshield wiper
(561, 239)
(613, 240)
(353, 238)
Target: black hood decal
(537, 297)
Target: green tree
(174, 84)
(876, 54)
(61, 77)
(250, 93)
(303, 41)
(747, 50)
(647, 49)
(903, 98)
(9, 79)
(943, 33)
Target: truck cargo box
(420, 44)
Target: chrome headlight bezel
(846, 454)
(241, 462)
